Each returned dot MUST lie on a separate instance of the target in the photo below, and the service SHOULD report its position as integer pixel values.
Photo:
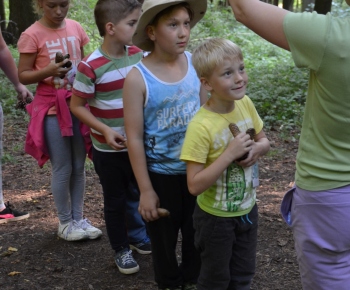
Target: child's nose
(237, 77)
(183, 30)
(58, 11)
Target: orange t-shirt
(45, 42)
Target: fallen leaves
(9, 252)
(14, 273)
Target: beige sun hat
(151, 8)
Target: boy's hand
(252, 157)
(239, 146)
(258, 149)
(149, 202)
(115, 140)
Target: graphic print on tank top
(172, 119)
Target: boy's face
(228, 81)
(125, 28)
(172, 31)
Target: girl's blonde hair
(212, 53)
(37, 6)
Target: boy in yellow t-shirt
(222, 169)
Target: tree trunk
(2, 15)
(21, 17)
(288, 5)
(323, 6)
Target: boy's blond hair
(113, 11)
(212, 53)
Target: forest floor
(33, 257)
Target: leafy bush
(83, 12)
(276, 86)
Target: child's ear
(109, 28)
(205, 83)
(150, 32)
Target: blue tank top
(168, 109)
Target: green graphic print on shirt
(235, 187)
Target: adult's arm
(8, 65)
(264, 19)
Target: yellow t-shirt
(207, 136)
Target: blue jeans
(135, 225)
(121, 198)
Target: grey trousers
(67, 157)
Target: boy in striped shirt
(99, 83)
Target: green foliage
(83, 12)
(89, 165)
(8, 158)
(340, 9)
(276, 86)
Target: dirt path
(40, 260)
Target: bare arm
(113, 139)
(264, 19)
(28, 76)
(133, 99)
(8, 65)
(199, 178)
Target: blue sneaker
(143, 247)
(125, 262)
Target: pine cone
(162, 212)
(68, 64)
(251, 132)
(22, 104)
(234, 129)
(60, 57)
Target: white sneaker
(91, 231)
(71, 232)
